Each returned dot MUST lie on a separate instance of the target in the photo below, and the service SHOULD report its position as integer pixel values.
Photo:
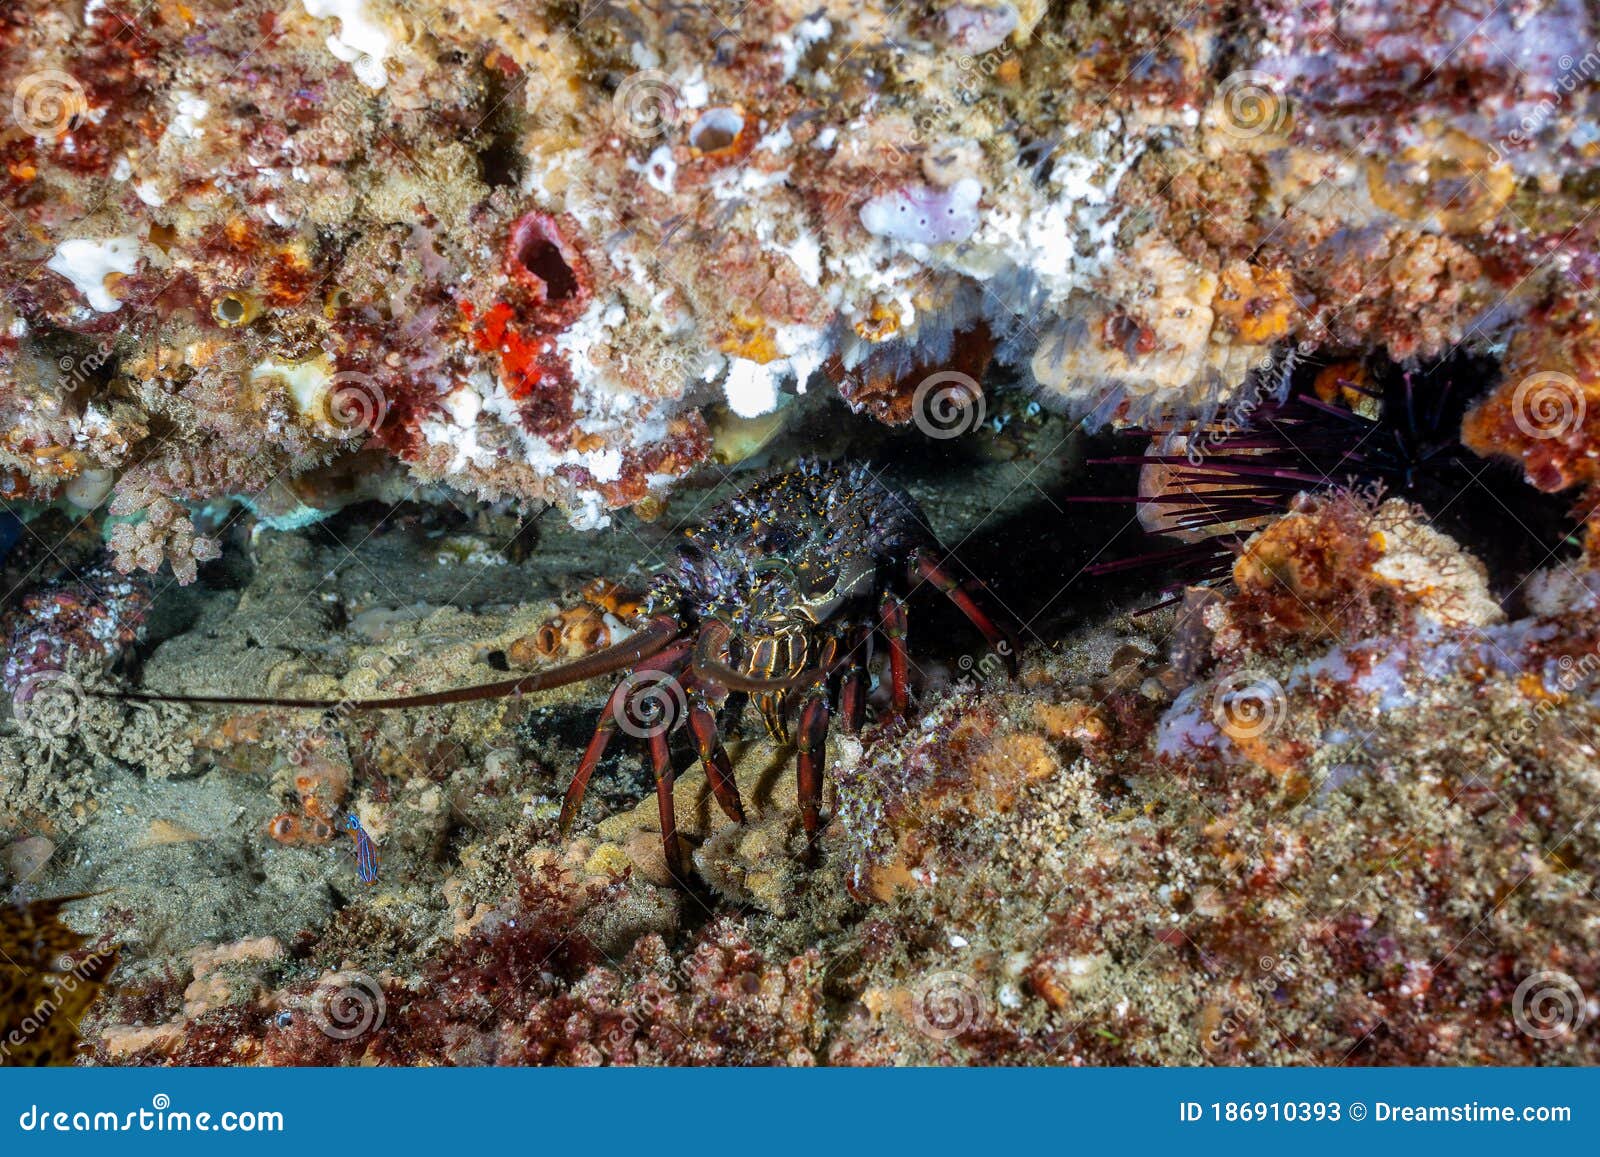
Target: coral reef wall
(260, 249)
(1333, 802)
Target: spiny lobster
(775, 597)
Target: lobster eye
(815, 583)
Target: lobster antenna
(646, 642)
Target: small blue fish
(366, 854)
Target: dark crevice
(541, 257)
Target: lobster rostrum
(776, 599)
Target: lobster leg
(606, 728)
(853, 687)
(714, 757)
(603, 731)
(810, 761)
(893, 619)
(999, 636)
(661, 768)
